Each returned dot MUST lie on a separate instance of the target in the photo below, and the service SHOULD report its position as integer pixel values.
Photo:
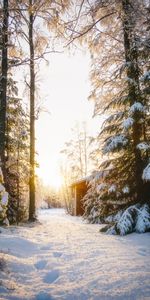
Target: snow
(2, 189)
(143, 146)
(101, 187)
(146, 76)
(146, 173)
(1, 174)
(137, 106)
(126, 190)
(6, 222)
(134, 218)
(112, 188)
(114, 142)
(24, 133)
(143, 220)
(114, 218)
(62, 257)
(4, 200)
(126, 223)
(127, 123)
(131, 80)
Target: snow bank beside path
(64, 258)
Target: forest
(116, 34)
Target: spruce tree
(116, 34)
(17, 157)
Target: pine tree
(128, 136)
(17, 158)
(119, 44)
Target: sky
(65, 87)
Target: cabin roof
(86, 179)
(81, 180)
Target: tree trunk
(131, 58)
(3, 87)
(85, 150)
(32, 216)
(18, 182)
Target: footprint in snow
(40, 264)
(57, 254)
(43, 296)
(51, 277)
(3, 289)
(45, 248)
(142, 252)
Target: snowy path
(64, 258)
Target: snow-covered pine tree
(124, 134)
(143, 42)
(17, 156)
(117, 37)
(91, 203)
(123, 130)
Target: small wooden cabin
(78, 190)
(80, 187)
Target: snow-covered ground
(65, 258)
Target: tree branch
(80, 34)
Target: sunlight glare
(50, 179)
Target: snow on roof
(83, 179)
(95, 176)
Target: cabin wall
(79, 191)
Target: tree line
(22, 44)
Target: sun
(52, 179)
(55, 182)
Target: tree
(17, 156)
(3, 83)
(32, 116)
(35, 13)
(127, 126)
(77, 160)
(25, 19)
(77, 152)
(118, 93)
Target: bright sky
(65, 88)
